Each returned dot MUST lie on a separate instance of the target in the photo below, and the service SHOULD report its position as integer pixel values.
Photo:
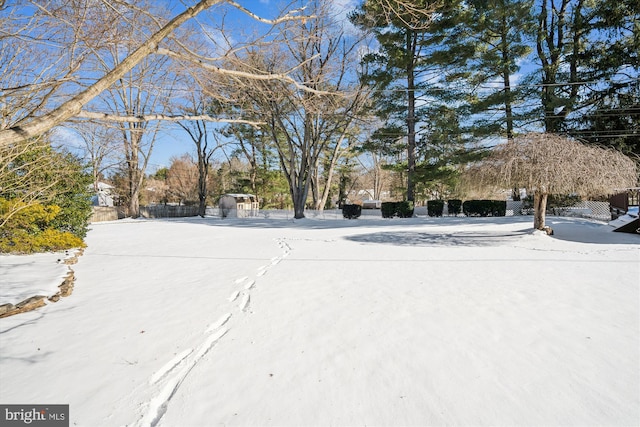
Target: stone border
(32, 303)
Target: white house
(104, 195)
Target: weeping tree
(550, 164)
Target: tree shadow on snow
(453, 239)
(317, 223)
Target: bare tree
(182, 179)
(308, 127)
(375, 177)
(552, 164)
(144, 89)
(34, 102)
(206, 145)
(99, 148)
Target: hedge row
(469, 208)
(485, 208)
(399, 209)
(436, 207)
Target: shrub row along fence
(482, 208)
(434, 208)
(583, 209)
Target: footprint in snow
(169, 366)
(234, 296)
(218, 323)
(244, 304)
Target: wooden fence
(106, 213)
(168, 211)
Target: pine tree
(589, 54)
(401, 29)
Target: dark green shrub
(499, 208)
(435, 207)
(400, 209)
(404, 209)
(388, 209)
(485, 208)
(29, 228)
(351, 211)
(55, 178)
(454, 206)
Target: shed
(238, 205)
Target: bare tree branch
(36, 126)
(243, 74)
(164, 117)
(30, 126)
(290, 16)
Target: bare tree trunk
(134, 173)
(411, 119)
(539, 210)
(134, 203)
(203, 176)
(506, 79)
(299, 194)
(315, 188)
(332, 167)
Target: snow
(447, 321)
(27, 276)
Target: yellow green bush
(27, 228)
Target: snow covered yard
(450, 321)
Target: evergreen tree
(40, 174)
(610, 98)
(588, 52)
(614, 120)
(397, 68)
(498, 31)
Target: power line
(514, 86)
